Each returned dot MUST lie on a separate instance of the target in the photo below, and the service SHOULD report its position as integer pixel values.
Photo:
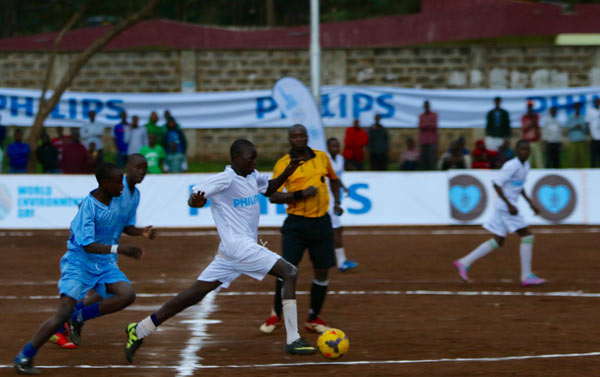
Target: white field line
(321, 363)
(199, 333)
(579, 294)
(351, 232)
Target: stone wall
(225, 70)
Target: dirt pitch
(404, 309)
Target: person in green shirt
(152, 126)
(154, 153)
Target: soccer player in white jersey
(337, 163)
(509, 184)
(235, 207)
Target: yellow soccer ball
(333, 343)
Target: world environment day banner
(398, 107)
(421, 198)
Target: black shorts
(315, 234)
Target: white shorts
(503, 222)
(257, 261)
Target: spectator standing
(75, 158)
(530, 126)
(497, 127)
(593, 120)
(120, 131)
(354, 143)
(92, 132)
(379, 145)
(409, 159)
(176, 135)
(576, 130)
(18, 154)
(552, 135)
(137, 137)
(454, 157)
(47, 155)
(152, 126)
(428, 137)
(2, 136)
(175, 161)
(154, 154)
(60, 141)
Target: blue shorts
(78, 275)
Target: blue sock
(155, 320)
(79, 305)
(86, 313)
(27, 351)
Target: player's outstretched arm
(131, 251)
(148, 232)
(511, 209)
(288, 197)
(533, 207)
(275, 183)
(197, 200)
(336, 185)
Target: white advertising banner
(298, 105)
(398, 107)
(391, 198)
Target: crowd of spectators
(165, 145)
(82, 151)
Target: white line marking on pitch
(349, 232)
(199, 333)
(320, 363)
(361, 293)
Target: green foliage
(24, 17)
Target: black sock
(317, 298)
(278, 305)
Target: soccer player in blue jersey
(91, 259)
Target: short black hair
(497, 99)
(331, 140)
(297, 126)
(239, 146)
(106, 170)
(521, 142)
(135, 156)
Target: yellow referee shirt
(312, 172)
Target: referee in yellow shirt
(308, 225)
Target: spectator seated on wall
(454, 157)
(409, 158)
(175, 161)
(504, 154)
(482, 158)
(75, 158)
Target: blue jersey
(101, 223)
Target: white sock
(340, 255)
(479, 252)
(290, 318)
(145, 327)
(526, 250)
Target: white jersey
(235, 207)
(511, 178)
(338, 166)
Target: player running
(69, 336)
(509, 184)
(337, 163)
(235, 208)
(91, 261)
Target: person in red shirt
(354, 143)
(428, 138)
(482, 157)
(60, 141)
(530, 125)
(75, 159)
